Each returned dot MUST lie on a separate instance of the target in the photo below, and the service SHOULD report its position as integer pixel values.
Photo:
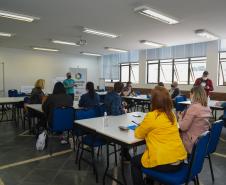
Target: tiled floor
(61, 170)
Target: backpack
(41, 141)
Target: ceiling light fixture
(91, 54)
(99, 33)
(45, 49)
(16, 16)
(3, 34)
(155, 14)
(116, 49)
(206, 34)
(64, 42)
(153, 44)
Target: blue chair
(215, 133)
(188, 172)
(178, 106)
(12, 93)
(62, 120)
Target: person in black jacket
(59, 98)
(91, 98)
(37, 92)
(174, 91)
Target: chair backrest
(27, 100)
(62, 119)
(101, 110)
(215, 133)
(12, 93)
(178, 106)
(86, 113)
(198, 154)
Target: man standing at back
(205, 82)
(69, 85)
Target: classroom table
(14, 101)
(139, 100)
(38, 107)
(108, 128)
(211, 104)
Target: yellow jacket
(163, 142)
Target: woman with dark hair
(59, 98)
(165, 151)
(91, 98)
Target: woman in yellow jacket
(165, 151)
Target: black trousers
(136, 169)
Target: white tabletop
(211, 104)
(140, 97)
(11, 99)
(110, 126)
(38, 107)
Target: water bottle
(105, 119)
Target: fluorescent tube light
(3, 34)
(16, 16)
(99, 33)
(64, 42)
(153, 44)
(206, 34)
(45, 49)
(155, 14)
(91, 54)
(116, 49)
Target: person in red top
(205, 82)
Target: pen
(135, 123)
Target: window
(197, 67)
(183, 70)
(152, 68)
(222, 69)
(166, 67)
(129, 72)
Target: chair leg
(77, 153)
(93, 162)
(80, 158)
(115, 151)
(211, 168)
(197, 179)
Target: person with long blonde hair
(164, 148)
(37, 93)
(195, 120)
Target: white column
(212, 61)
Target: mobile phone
(123, 128)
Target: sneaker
(63, 142)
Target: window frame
(174, 62)
(220, 69)
(129, 64)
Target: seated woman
(174, 91)
(37, 92)
(195, 120)
(59, 98)
(91, 98)
(113, 101)
(165, 151)
(128, 91)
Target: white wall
(212, 67)
(24, 67)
